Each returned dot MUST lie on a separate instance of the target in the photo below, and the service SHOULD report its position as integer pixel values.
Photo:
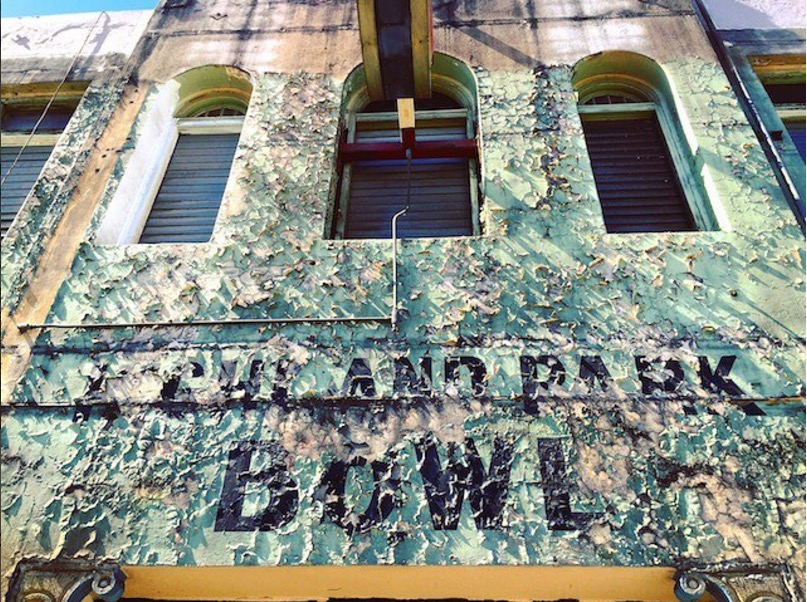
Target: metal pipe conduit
(394, 314)
(391, 319)
(234, 322)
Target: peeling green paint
(139, 478)
(44, 209)
(143, 485)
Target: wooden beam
(406, 113)
(522, 583)
(406, 121)
(369, 49)
(393, 22)
(379, 151)
(422, 46)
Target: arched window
(182, 160)
(641, 168)
(439, 184)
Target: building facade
(262, 340)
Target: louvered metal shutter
(21, 179)
(440, 191)
(190, 195)
(635, 176)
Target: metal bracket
(106, 583)
(737, 583)
(689, 587)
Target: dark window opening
(635, 176)
(189, 198)
(796, 131)
(221, 112)
(20, 169)
(612, 99)
(436, 102)
(22, 120)
(789, 100)
(20, 180)
(439, 190)
(785, 94)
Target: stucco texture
(104, 459)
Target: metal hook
(394, 316)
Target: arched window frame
(650, 87)
(178, 110)
(451, 78)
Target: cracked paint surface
(42, 211)
(666, 488)
(140, 477)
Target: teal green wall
(139, 480)
(143, 487)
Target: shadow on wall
(499, 46)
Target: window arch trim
(451, 78)
(623, 72)
(169, 116)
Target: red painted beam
(408, 137)
(379, 151)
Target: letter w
(445, 489)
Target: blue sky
(26, 8)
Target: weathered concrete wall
(63, 36)
(699, 456)
(757, 14)
(148, 485)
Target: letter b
(283, 494)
